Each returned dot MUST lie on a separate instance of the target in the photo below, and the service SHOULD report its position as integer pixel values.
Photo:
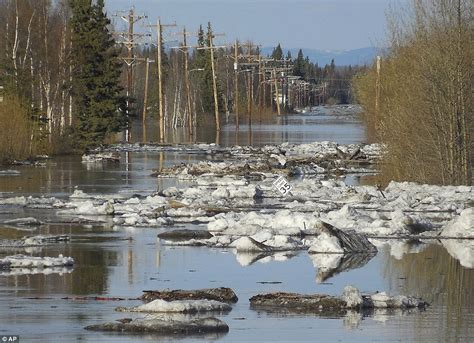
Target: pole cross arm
(212, 47)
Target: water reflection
(292, 128)
(443, 282)
(329, 265)
(62, 175)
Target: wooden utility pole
(159, 60)
(160, 81)
(129, 41)
(236, 81)
(184, 48)
(145, 97)
(276, 92)
(214, 81)
(261, 85)
(212, 47)
(186, 85)
(249, 84)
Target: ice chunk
(182, 306)
(249, 244)
(352, 296)
(325, 243)
(22, 261)
(462, 226)
(462, 250)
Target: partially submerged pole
(160, 83)
(236, 86)
(214, 82)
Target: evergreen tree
(288, 56)
(98, 107)
(203, 61)
(299, 65)
(277, 53)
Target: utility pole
(249, 84)
(186, 85)
(261, 84)
(159, 60)
(276, 92)
(214, 83)
(212, 47)
(236, 80)
(145, 97)
(130, 60)
(184, 48)
(159, 29)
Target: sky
(314, 24)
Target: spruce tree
(299, 65)
(98, 106)
(203, 61)
(277, 53)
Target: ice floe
(165, 326)
(23, 261)
(34, 241)
(181, 306)
(100, 157)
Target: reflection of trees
(89, 276)
(443, 282)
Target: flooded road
(114, 261)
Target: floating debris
(28, 221)
(326, 304)
(185, 234)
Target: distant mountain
(341, 57)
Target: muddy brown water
(121, 262)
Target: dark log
(298, 303)
(183, 234)
(222, 294)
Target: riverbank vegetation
(419, 100)
(60, 77)
(16, 130)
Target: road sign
(282, 185)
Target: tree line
(60, 75)
(418, 100)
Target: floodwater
(119, 262)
